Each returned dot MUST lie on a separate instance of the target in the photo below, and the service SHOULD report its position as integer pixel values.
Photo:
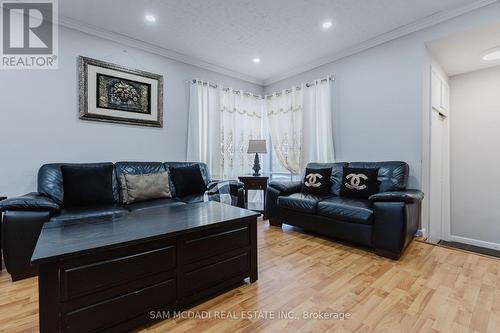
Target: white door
(436, 176)
(439, 160)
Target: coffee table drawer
(211, 275)
(218, 243)
(102, 315)
(89, 278)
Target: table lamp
(256, 147)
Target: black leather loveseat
(24, 216)
(386, 221)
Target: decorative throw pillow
(123, 189)
(359, 182)
(188, 180)
(87, 185)
(142, 187)
(317, 181)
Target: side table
(255, 183)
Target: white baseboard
(421, 233)
(476, 242)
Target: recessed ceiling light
(256, 60)
(150, 18)
(493, 54)
(327, 24)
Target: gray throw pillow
(144, 187)
(123, 189)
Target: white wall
(475, 156)
(379, 98)
(380, 95)
(39, 113)
(376, 104)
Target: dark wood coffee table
(111, 273)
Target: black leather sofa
(386, 222)
(24, 216)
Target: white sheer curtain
(317, 136)
(284, 114)
(204, 126)
(221, 121)
(241, 120)
(301, 125)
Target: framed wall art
(117, 94)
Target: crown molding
(418, 25)
(415, 26)
(151, 48)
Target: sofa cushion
(203, 168)
(50, 181)
(136, 168)
(188, 180)
(143, 187)
(317, 181)
(347, 210)
(335, 178)
(158, 203)
(194, 198)
(87, 185)
(302, 202)
(393, 176)
(76, 213)
(359, 183)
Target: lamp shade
(257, 146)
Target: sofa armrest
(20, 231)
(239, 185)
(231, 181)
(274, 191)
(406, 196)
(394, 226)
(29, 202)
(285, 188)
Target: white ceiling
(227, 34)
(462, 52)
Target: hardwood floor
(430, 289)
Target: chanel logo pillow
(317, 181)
(359, 182)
